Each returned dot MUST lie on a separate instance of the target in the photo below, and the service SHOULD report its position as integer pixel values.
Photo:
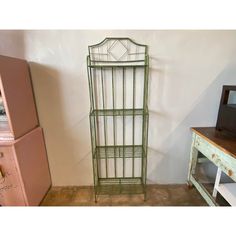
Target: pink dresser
(24, 171)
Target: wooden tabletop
(225, 142)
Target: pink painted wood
(18, 99)
(25, 169)
(11, 193)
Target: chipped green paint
(221, 159)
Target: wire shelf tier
(127, 151)
(118, 85)
(119, 112)
(113, 186)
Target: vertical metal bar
(104, 121)
(147, 118)
(114, 121)
(133, 136)
(146, 149)
(92, 96)
(144, 125)
(96, 131)
(94, 136)
(89, 81)
(93, 139)
(94, 161)
(123, 70)
(146, 78)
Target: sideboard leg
(217, 182)
(192, 163)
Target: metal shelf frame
(118, 87)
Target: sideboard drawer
(221, 159)
(204, 147)
(9, 179)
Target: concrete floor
(157, 195)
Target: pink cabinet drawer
(10, 186)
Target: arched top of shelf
(118, 52)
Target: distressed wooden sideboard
(220, 149)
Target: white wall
(12, 43)
(187, 71)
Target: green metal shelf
(119, 112)
(118, 67)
